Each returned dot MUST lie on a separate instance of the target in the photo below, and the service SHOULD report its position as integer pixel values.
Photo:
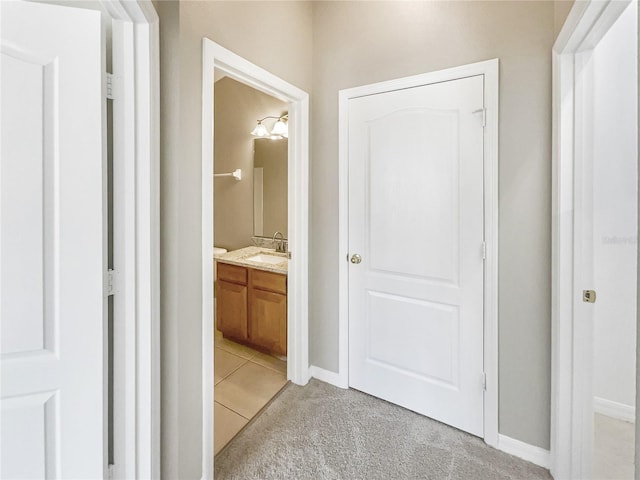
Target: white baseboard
(527, 452)
(613, 409)
(326, 376)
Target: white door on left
(52, 243)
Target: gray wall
(173, 409)
(277, 37)
(236, 109)
(357, 43)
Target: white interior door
(52, 242)
(416, 222)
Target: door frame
(136, 237)
(572, 351)
(238, 68)
(490, 70)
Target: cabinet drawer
(232, 273)
(273, 282)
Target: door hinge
(589, 296)
(484, 115)
(110, 86)
(112, 282)
(484, 250)
(484, 381)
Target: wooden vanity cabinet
(231, 301)
(251, 307)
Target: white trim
(491, 218)
(489, 69)
(234, 66)
(525, 451)
(561, 268)
(136, 69)
(343, 237)
(332, 378)
(124, 239)
(619, 411)
(571, 397)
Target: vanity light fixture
(280, 128)
(260, 130)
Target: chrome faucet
(279, 242)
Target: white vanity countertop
(239, 257)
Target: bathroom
(250, 252)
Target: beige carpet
(323, 432)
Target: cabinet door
(231, 310)
(268, 320)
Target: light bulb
(280, 128)
(260, 130)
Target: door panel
(25, 189)
(402, 160)
(416, 218)
(422, 339)
(52, 242)
(27, 420)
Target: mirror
(270, 187)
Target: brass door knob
(355, 258)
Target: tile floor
(613, 447)
(245, 381)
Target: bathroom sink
(266, 258)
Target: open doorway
(595, 242)
(250, 222)
(265, 283)
(615, 213)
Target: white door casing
(236, 67)
(136, 238)
(416, 219)
(52, 242)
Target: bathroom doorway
(251, 281)
(250, 221)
